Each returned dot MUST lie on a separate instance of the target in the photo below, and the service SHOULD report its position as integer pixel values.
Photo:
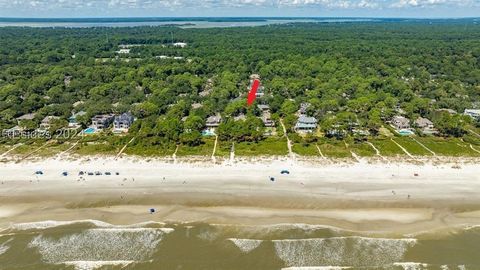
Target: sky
(239, 8)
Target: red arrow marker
(252, 95)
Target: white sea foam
(411, 265)
(246, 245)
(4, 247)
(40, 225)
(318, 268)
(100, 244)
(359, 251)
(90, 265)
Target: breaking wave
(246, 245)
(342, 251)
(100, 244)
(90, 265)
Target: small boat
(90, 173)
(98, 173)
(108, 173)
(117, 173)
(272, 179)
(39, 173)
(285, 172)
(65, 173)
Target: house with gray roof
(102, 121)
(306, 124)
(400, 122)
(46, 123)
(123, 122)
(213, 121)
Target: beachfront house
(102, 121)
(73, 120)
(24, 118)
(400, 122)
(473, 113)
(425, 125)
(122, 122)
(306, 124)
(46, 123)
(213, 121)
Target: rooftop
(28, 116)
(303, 119)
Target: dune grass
(387, 147)
(333, 148)
(305, 149)
(270, 147)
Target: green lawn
(387, 147)
(270, 146)
(448, 146)
(305, 149)
(412, 146)
(334, 148)
(205, 149)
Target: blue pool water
(208, 133)
(405, 132)
(89, 131)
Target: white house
(474, 113)
(306, 124)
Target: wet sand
(385, 199)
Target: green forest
(352, 78)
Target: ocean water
(181, 22)
(93, 244)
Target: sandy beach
(369, 197)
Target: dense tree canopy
(348, 72)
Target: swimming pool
(208, 132)
(89, 130)
(405, 132)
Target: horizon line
(244, 17)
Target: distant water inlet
(99, 245)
